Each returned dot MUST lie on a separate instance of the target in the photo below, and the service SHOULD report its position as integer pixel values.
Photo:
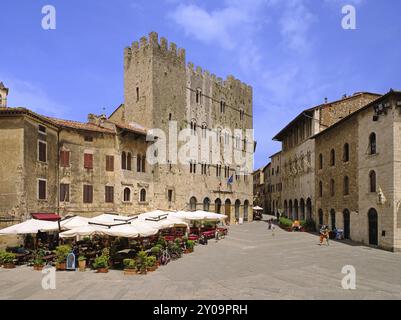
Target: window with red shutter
(88, 161)
(64, 158)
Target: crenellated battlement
(152, 42)
(230, 82)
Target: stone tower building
(161, 89)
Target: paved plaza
(250, 263)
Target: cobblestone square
(250, 263)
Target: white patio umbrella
(198, 215)
(161, 220)
(211, 215)
(112, 218)
(84, 231)
(257, 208)
(74, 222)
(30, 226)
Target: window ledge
(143, 202)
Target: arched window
(346, 152)
(142, 196)
(138, 163)
(320, 161)
(372, 143)
(217, 205)
(206, 204)
(332, 187)
(372, 181)
(193, 127)
(129, 158)
(143, 163)
(332, 158)
(320, 189)
(127, 194)
(123, 161)
(192, 204)
(204, 130)
(346, 186)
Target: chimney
(326, 100)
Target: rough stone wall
(33, 169)
(12, 192)
(167, 87)
(335, 139)
(335, 111)
(76, 175)
(276, 180)
(385, 164)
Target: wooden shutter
(88, 194)
(42, 189)
(88, 161)
(42, 152)
(109, 163)
(64, 158)
(64, 192)
(109, 194)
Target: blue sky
(293, 52)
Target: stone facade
(86, 169)
(275, 186)
(298, 151)
(370, 212)
(3, 95)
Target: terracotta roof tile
(80, 125)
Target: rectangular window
(42, 194)
(170, 195)
(109, 163)
(88, 193)
(64, 158)
(88, 138)
(42, 129)
(109, 194)
(64, 192)
(137, 94)
(42, 151)
(88, 161)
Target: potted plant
(61, 256)
(101, 264)
(8, 260)
(190, 246)
(151, 263)
(82, 263)
(141, 260)
(129, 266)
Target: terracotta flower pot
(151, 269)
(61, 266)
(82, 265)
(38, 267)
(130, 272)
(102, 270)
(9, 266)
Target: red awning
(46, 216)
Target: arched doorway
(347, 224)
(309, 208)
(320, 217)
(290, 209)
(227, 209)
(246, 206)
(237, 207)
(285, 208)
(217, 205)
(274, 208)
(206, 204)
(192, 204)
(373, 227)
(302, 209)
(295, 210)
